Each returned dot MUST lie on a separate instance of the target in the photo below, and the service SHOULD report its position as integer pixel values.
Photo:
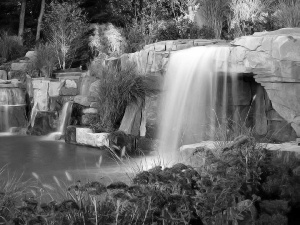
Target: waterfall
(4, 123)
(33, 114)
(65, 117)
(194, 100)
(12, 108)
(64, 120)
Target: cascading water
(12, 108)
(64, 120)
(65, 117)
(5, 120)
(195, 97)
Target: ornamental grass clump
(117, 89)
(45, 59)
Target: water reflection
(28, 155)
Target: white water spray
(195, 89)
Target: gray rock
(3, 75)
(90, 111)
(70, 135)
(84, 100)
(21, 66)
(68, 91)
(132, 119)
(87, 118)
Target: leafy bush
(10, 47)
(45, 59)
(117, 89)
(168, 31)
(288, 13)
(182, 29)
(136, 37)
(249, 16)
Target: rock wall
(268, 64)
(272, 58)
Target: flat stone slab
(288, 146)
(68, 75)
(21, 66)
(84, 100)
(85, 136)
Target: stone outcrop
(85, 136)
(272, 58)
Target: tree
(214, 13)
(22, 20)
(63, 24)
(39, 25)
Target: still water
(33, 156)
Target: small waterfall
(12, 108)
(64, 120)
(33, 114)
(11, 96)
(4, 123)
(195, 97)
(65, 117)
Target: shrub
(45, 59)
(107, 39)
(168, 31)
(63, 23)
(182, 29)
(10, 47)
(249, 16)
(136, 37)
(118, 88)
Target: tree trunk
(22, 20)
(39, 25)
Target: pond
(35, 156)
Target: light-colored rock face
(40, 94)
(131, 121)
(31, 55)
(20, 66)
(85, 136)
(272, 57)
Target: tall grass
(117, 89)
(12, 190)
(45, 59)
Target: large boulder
(274, 58)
